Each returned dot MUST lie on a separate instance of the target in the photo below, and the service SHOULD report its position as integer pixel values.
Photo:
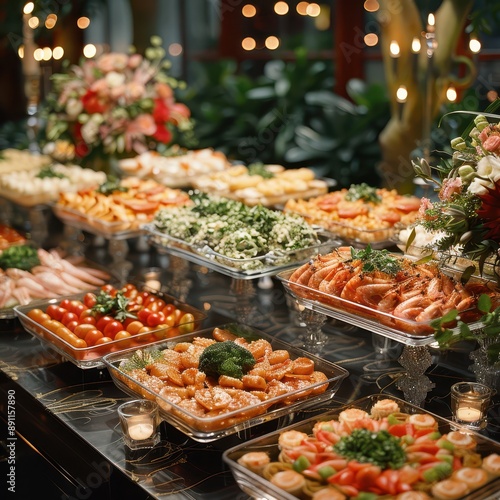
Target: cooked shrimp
(214, 398)
(290, 481)
(449, 489)
(472, 476)
(254, 460)
(423, 421)
(383, 408)
(291, 439)
(254, 382)
(491, 464)
(278, 356)
(461, 439)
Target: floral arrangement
(115, 105)
(466, 216)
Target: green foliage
(289, 115)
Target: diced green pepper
(326, 471)
(438, 472)
(301, 463)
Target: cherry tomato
(82, 329)
(124, 337)
(103, 340)
(65, 303)
(112, 328)
(155, 319)
(186, 323)
(143, 315)
(93, 336)
(89, 299)
(55, 311)
(161, 331)
(142, 335)
(109, 289)
(52, 325)
(77, 307)
(88, 320)
(68, 316)
(134, 327)
(103, 321)
(71, 325)
(38, 315)
(168, 309)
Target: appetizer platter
(385, 293)
(12, 160)
(360, 215)
(234, 239)
(83, 328)
(216, 382)
(28, 274)
(379, 447)
(42, 186)
(179, 168)
(258, 184)
(117, 208)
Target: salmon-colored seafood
(395, 290)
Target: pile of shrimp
(416, 293)
(55, 276)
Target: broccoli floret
(226, 358)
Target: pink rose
(164, 91)
(112, 62)
(142, 125)
(492, 144)
(134, 61)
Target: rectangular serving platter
(211, 428)
(256, 486)
(92, 356)
(406, 331)
(119, 230)
(9, 312)
(250, 268)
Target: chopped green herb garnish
(260, 169)
(377, 260)
(49, 172)
(363, 192)
(111, 185)
(379, 448)
(22, 257)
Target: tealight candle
(468, 414)
(469, 404)
(139, 423)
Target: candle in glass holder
(469, 404)
(139, 423)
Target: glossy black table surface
(67, 442)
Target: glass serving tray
(119, 230)
(210, 428)
(257, 486)
(251, 268)
(406, 331)
(92, 357)
(28, 200)
(10, 313)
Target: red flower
(489, 212)
(162, 134)
(92, 104)
(161, 112)
(81, 149)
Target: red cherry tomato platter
(85, 327)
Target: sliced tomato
(366, 477)
(400, 430)
(407, 204)
(388, 481)
(425, 447)
(343, 477)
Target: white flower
(74, 107)
(114, 79)
(90, 131)
(488, 170)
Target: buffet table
(60, 429)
